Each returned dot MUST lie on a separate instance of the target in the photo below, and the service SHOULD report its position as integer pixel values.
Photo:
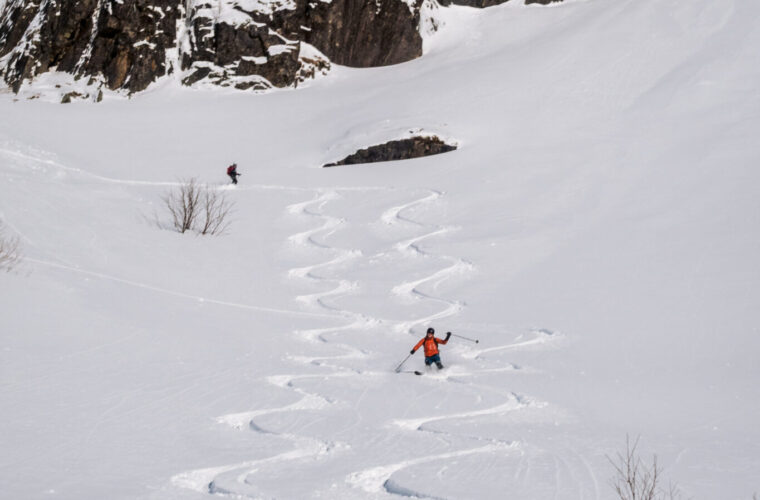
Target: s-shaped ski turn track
(341, 360)
(349, 428)
(238, 479)
(412, 290)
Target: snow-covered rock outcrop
(126, 45)
(129, 44)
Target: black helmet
(430, 330)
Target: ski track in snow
(514, 402)
(43, 163)
(540, 337)
(377, 479)
(239, 479)
(234, 479)
(151, 288)
(411, 248)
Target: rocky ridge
(126, 45)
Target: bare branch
(10, 254)
(216, 209)
(634, 480)
(182, 203)
(198, 208)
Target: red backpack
(231, 169)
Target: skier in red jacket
(233, 173)
(430, 341)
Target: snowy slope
(596, 231)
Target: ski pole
(466, 338)
(402, 363)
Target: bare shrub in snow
(214, 216)
(199, 208)
(9, 250)
(182, 203)
(636, 480)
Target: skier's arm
(414, 349)
(444, 341)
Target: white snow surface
(597, 231)
(234, 11)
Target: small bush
(635, 480)
(9, 250)
(182, 203)
(198, 208)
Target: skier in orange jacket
(430, 341)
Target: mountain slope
(595, 231)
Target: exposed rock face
(403, 149)
(267, 42)
(490, 3)
(116, 42)
(259, 44)
(128, 44)
(239, 51)
(360, 33)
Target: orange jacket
(431, 345)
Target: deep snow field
(598, 232)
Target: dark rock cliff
(267, 43)
(116, 42)
(129, 44)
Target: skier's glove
(448, 335)
(411, 352)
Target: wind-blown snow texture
(597, 231)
